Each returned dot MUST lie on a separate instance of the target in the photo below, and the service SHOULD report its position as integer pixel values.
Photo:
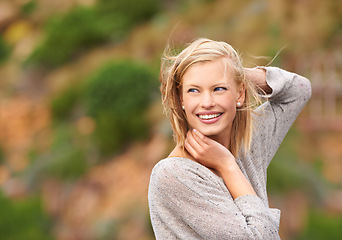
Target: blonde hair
(172, 71)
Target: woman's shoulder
(173, 166)
(184, 171)
(170, 173)
(175, 176)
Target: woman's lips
(209, 118)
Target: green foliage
(67, 160)
(117, 97)
(137, 10)
(69, 165)
(4, 50)
(23, 219)
(29, 7)
(322, 225)
(70, 34)
(284, 173)
(274, 30)
(2, 157)
(120, 87)
(63, 104)
(287, 173)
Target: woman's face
(210, 95)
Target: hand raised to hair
(207, 151)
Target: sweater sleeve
(190, 203)
(290, 92)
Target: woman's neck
(180, 151)
(223, 139)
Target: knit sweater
(188, 201)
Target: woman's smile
(209, 117)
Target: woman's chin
(209, 133)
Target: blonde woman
(213, 184)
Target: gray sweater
(188, 201)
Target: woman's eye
(192, 90)
(220, 89)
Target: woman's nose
(207, 100)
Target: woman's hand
(207, 151)
(258, 77)
(214, 155)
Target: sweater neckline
(197, 165)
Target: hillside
(77, 144)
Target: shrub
(137, 10)
(117, 97)
(63, 104)
(66, 160)
(4, 50)
(68, 165)
(69, 35)
(287, 172)
(322, 225)
(29, 7)
(2, 157)
(23, 219)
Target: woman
(213, 184)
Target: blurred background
(81, 123)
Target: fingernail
(194, 130)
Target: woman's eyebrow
(191, 85)
(220, 84)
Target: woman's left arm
(286, 94)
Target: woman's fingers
(194, 146)
(207, 151)
(192, 141)
(188, 147)
(197, 141)
(199, 137)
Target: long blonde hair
(172, 71)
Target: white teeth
(209, 116)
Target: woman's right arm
(215, 156)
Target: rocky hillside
(74, 174)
